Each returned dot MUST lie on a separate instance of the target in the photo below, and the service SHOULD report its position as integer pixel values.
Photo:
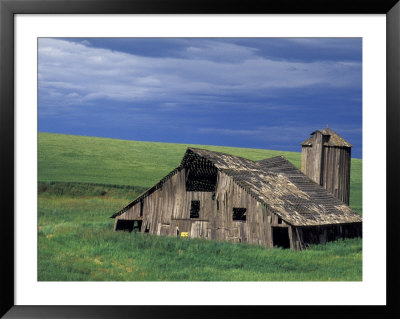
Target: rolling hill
(70, 158)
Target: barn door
(280, 237)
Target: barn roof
(276, 183)
(333, 139)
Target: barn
(223, 197)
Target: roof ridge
(271, 158)
(243, 158)
(217, 152)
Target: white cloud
(219, 51)
(73, 73)
(327, 43)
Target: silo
(326, 159)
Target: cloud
(328, 43)
(72, 73)
(85, 42)
(223, 52)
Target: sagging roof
(276, 183)
(332, 139)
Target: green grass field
(70, 158)
(83, 180)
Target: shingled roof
(333, 139)
(276, 183)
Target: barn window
(239, 213)
(195, 209)
(141, 208)
(201, 177)
(217, 205)
(279, 220)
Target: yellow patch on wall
(184, 234)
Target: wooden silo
(326, 158)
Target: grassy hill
(83, 180)
(110, 161)
(70, 158)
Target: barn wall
(167, 211)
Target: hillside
(70, 158)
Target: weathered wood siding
(328, 166)
(306, 163)
(167, 211)
(315, 158)
(336, 173)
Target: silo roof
(333, 140)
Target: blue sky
(266, 93)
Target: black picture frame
(8, 8)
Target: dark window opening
(279, 220)
(280, 237)
(201, 177)
(141, 208)
(239, 213)
(217, 205)
(124, 225)
(195, 209)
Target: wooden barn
(223, 197)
